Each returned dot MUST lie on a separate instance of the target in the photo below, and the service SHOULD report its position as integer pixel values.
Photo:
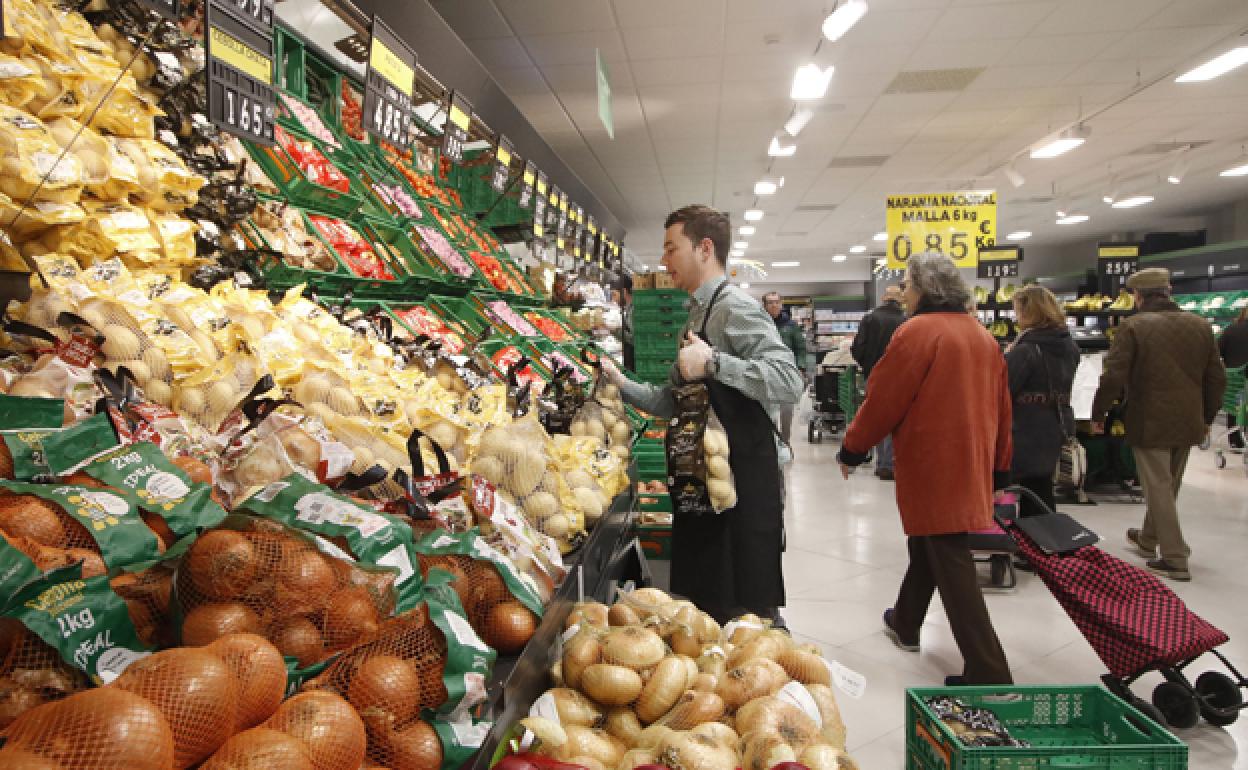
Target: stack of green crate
(659, 315)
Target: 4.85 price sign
(958, 224)
(388, 87)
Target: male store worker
(727, 563)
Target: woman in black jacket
(1041, 363)
(1233, 346)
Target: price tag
(455, 132)
(388, 87)
(239, 46)
(563, 213)
(1117, 260)
(999, 261)
(846, 679)
(170, 9)
(527, 179)
(502, 164)
(539, 205)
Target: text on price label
(241, 99)
(388, 86)
(957, 224)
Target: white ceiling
(700, 86)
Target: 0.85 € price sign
(957, 224)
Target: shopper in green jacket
(795, 338)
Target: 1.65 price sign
(957, 224)
(388, 87)
(239, 48)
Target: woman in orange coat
(942, 391)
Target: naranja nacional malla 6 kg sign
(955, 223)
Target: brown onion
(387, 684)
(611, 685)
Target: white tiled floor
(847, 554)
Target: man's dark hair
(704, 222)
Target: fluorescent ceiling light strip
(765, 188)
(1133, 201)
(1073, 219)
(1056, 147)
(1219, 65)
(838, 257)
(741, 245)
(880, 237)
(785, 264)
(800, 118)
(1019, 235)
(777, 150)
(1240, 170)
(745, 230)
(843, 19)
(810, 82)
(753, 215)
(858, 249)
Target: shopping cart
(1135, 624)
(828, 416)
(1231, 439)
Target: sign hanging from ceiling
(502, 164)
(958, 224)
(539, 205)
(455, 131)
(999, 261)
(388, 87)
(239, 48)
(526, 184)
(1117, 260)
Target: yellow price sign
(958, 224)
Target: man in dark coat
(1166, 363)
(874, 332)
(795, 338)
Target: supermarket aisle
(846, 555)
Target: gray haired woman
(942, 391)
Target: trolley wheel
(1220, 460)
(1177, 704)
(1221, 692)
(1205, 443)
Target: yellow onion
(707, 629)
(691, 669)
(611, 685)
(769, 645)
(774, 716)
(582, 651)
(805, 667)
(684, 640)
(592, 613)
(833, 730)
(712, 661)
(689, 751)
(703, 683)
(754, 679)
(596, 744)
(821, 756)
(621, 614)
(665, 685)
(652, 737)
(551, 737)
(718, 731)
(749, 626)
(763, 751)
(634, 758)
(574, 708)
(692, 709)
(622, 722)
(634, 647)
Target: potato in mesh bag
(19, 81)
(165, 183)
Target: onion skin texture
(664, 688)
(622, 722)
(260, 672)
(575, 709)
(222, 564)
(692, 709)
(769, 645)
(763, 751)
(689, 751)
(773, 716)
(635, 758)
(596, 744)
(634, 647)
(415, 747)
(330, 730)
(388, 684)
(125, 727)
(611, 685)
(622, 615)
(582, 651)
(755, 679)
(718, 731)
(833, 725)
(259, 749)
(805, 667)
(591, 613)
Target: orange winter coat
(942, 390)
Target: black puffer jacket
(1042, 361)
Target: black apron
(731, 562)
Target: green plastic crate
(495, 344)
(542, 347)
(657, 315)
(462, 311)
(280, 275)
(656, 541)
(668, 298)
(365, 287)
(653, 371)
(1069, 726)
(296, 187)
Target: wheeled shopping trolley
(1136, 625)
(828, 418)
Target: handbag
(1072, 459)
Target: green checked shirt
(752, 357)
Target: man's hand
(612, 372)
(693, 358)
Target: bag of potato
(19, 81)
(562, 402)
(30, 160)
(533, 553)
(63, 370)
(82, 618)
(428, 660)
(165, 183)
(299, 591)
(697, 455)
(32, 222)
(370, 537)
(249, 458)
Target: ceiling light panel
(1216, 67)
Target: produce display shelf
(1068, 726)
(295, 185)
(462, 311)
(607, 557)
(278, 274)
(542, 348)
(367, 287)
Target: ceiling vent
(932, 81)
(1165, 148)
(858, 161)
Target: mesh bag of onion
(32, 672)
(26, 421)
(416, 685)
(502, 604)
(369, 536)
(257, 575)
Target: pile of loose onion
(655, 681)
